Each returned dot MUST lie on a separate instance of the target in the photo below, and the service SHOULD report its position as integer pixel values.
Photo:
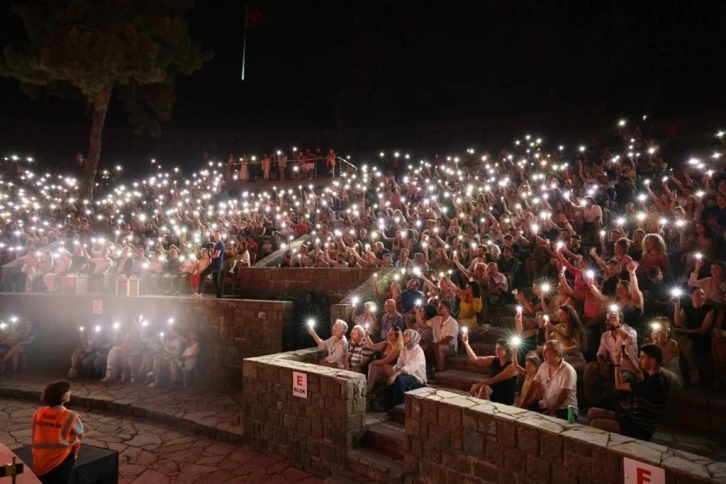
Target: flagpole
(244, 43)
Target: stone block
(432, 451)
(551, 447)
(430, 411)
(528, 440)
(537, 469)
(606, 466)
(473, 443)
(412, 427)
(327, 386)
(515, 460)
(506, 433)
(355, 422)
(484, 470)
(415, 408)
(562, 475)
(487, 425)
(578, 447)
(494, 453)
(577, 463)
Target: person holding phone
(648, 395)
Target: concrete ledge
(456, 437)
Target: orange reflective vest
(53, 438)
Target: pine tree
(91, 48)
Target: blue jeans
(403, 384)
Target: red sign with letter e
(97, 306)
(639, 473)
(300, 384)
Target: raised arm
(477, 360)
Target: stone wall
(452, 438)
(230, 329)
(293, 284)
(313, 433)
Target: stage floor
(154, 454)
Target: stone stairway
(379, 456)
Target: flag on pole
(254, 17)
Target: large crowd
(611, 252)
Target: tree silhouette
(89, 48)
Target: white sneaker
(133, 380)
(72, 373)
(123, 378)
(152, 385)
(107, 379)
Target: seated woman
(531, 364)
(188, 359)
(571, 334)
(336, 345)
(125, 358)
(171, 349)
(409, 373)
(502, 382)
(660, 335)
(470, 304)
(88, 354)
(390, 349)
(359, 353)
(367, 317)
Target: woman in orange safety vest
(57, 434)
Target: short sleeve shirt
(219, 261)
(564, 377)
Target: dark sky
(402, 62)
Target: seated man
(391, 318)
(648, 397)
(410, 298)
(618, 336)
(445, 330)
(558, 381)
(495, 283)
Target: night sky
(401, 63)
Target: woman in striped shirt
(359, 353)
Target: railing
(296, 169)
(345, 166)
(13, 268)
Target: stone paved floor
(157, 455)
(215, 408)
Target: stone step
(375, 466)
(387, 438)
(462, 362)
(398, 414)
(461, 380)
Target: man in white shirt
(559, 382)
(445, 331)
(618, 334)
